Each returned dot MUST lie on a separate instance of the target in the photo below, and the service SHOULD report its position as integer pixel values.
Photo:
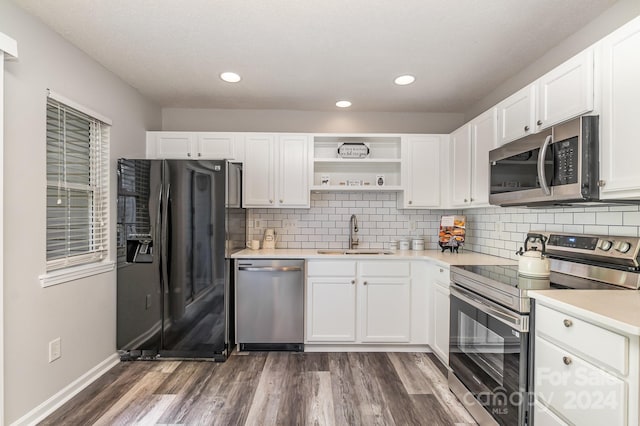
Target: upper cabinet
(195, 146)
(338, 164)
(421, 175)
(620, 149)
(516, 115)
(470, 146)
(566, 91)
(277, 170)
(563, 93)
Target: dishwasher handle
(270, 268)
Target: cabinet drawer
(603, 346)
(442, 275)
(542, 416)
(576, 389)
(385, 269)
(331, 268)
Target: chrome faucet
(353, 229)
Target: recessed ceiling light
(343, 104)
(230, 77)
(403, 80)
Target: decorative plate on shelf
(353, 150)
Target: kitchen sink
(355, 251)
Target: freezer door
(139, 301)
(193, 240)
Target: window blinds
(77, 186)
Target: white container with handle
(533, 262)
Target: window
(77, 185)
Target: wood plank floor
(274, 388)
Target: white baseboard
(333, 347)
(56, 401)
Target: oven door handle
(542, 175)
(517, 322)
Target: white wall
(81, 312)
(183, 119)
(618, 14)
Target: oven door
(488, 354)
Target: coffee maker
(269, 239)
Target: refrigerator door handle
(164, 239)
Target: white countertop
(446, 258)
(614, 309)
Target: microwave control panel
(566, 161)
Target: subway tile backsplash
(326, 223)
(492, 230)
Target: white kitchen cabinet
(195, 145)
(362, 302)
(516, 115)
(440, 312)
(421, 174)
(567, 91)
(584, 373)
(276, 171)
(619, 147)
(470, 146)
(385, 302)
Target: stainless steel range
(489, 351)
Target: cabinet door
(421, 177)
(174, 145)
(216, 146)
(619, 146)
(259, 171)
(294, 171)
(331, 309)
(440, 344)
(566, 91)
(516, 115)
(461, 166)
(483, 140)
(385, 310)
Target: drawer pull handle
(353, 281)
(441, 270)
(566, 360)
(567, 323)
(365, 283)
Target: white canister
(417, 244)
(404, 244)
(393, 245)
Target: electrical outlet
(257, 223)
(412, 225)
(55, 349)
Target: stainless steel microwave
(556, 166)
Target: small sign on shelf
(353, 150)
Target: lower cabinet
(361, 302)
(440, 312)
(584, 373)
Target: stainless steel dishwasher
(270, 304)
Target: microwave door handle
(542, 176)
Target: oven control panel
(603, 248)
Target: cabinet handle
(199, 154)
(566, 360)
(526, 128)
(471, 199)
(567, 323)
(365, 283)
(353, 281)
(465, 200)
(188, 154)
(441, 270)
(410, 202)
(539, 122)
(270, 201)
(281, 201)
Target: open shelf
(391, 188)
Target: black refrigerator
(178, 223)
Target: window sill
(75, 273)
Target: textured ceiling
(306, 54)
